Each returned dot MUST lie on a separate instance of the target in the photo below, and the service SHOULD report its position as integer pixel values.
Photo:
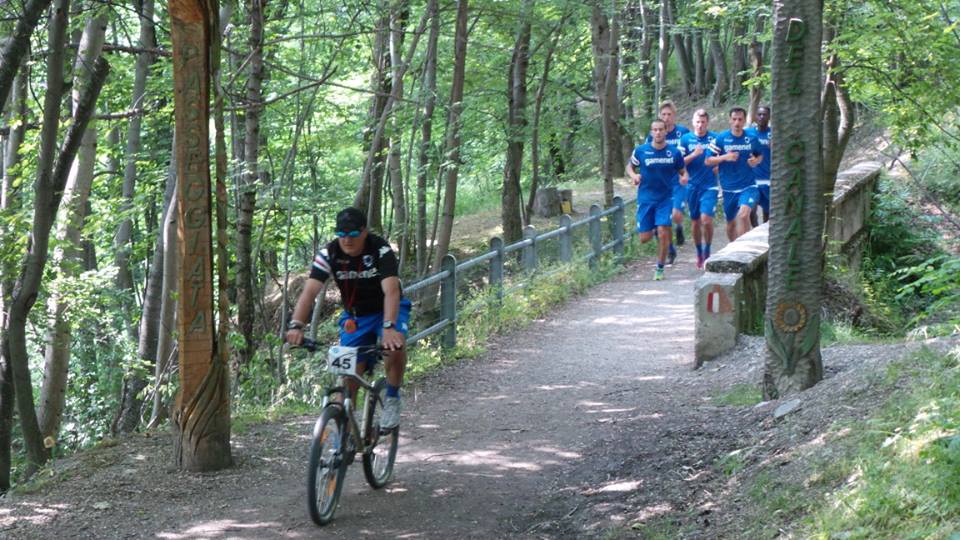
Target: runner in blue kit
(655, 167)
(761, 173)
(675, 132)
(702, 189)
(736, 153)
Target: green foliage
(938, 279)
(899, 237)
(898, 59)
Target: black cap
(351, 219)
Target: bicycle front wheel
(325, 472)
(381, 448)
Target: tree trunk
(535, 130)
(246, 291)
(682, 54)
(122, 242)
(47, 195)
(201, 419)
(368, 197)
(429, 87)
(510, 209)
(451, 167)
(699, 67)
(14, 339)
(166, 342)
(67, 254)
(400, 13)
(663, 51)
(605, 38)
(720, 68)
(755, 54)
(648, 103)
(793, 362)
(8, 203)
(838, 119)
(739, 57)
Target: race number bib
(342, 360)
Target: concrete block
(743, 256)
(717, 317)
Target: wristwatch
(388, 324)
(295, 325)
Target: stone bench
(730, 297)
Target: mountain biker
(365, 269)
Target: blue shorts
(370, 328)
(733, 200)
(703, 200)
(680, 197)
(654, 214)
(764, 201)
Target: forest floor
(589, 423)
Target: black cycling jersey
(358, 277)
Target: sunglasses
(351, 234)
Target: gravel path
(526, 441)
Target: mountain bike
(338, 437)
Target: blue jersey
(673, 138)
(762, 171)
(737, 175)
(701, 175)
(658, 171)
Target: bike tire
(327, 465)
(381, 452)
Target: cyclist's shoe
(680, 238)
(671, 255)
(390, 417)
(658, 274)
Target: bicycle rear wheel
(327, 466)
(381, 448)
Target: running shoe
(671, 255)
(700, 262)
(390, 417)
(658, 274)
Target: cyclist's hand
(393, 340)
(295, 336)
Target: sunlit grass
(740, 395)
(901, 477)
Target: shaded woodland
(415, 111)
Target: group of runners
(678, 170)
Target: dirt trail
(523, 442)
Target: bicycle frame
(347, 404)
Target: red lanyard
(350, 297)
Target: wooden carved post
(792, 321)
(202, 413)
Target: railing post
(618, 228)
(496, 268)
(530, 252)
(566, 239)
(448, 300)
(595, 240)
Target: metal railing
(496, 258)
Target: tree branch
(17, 45)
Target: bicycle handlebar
(313, 346)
